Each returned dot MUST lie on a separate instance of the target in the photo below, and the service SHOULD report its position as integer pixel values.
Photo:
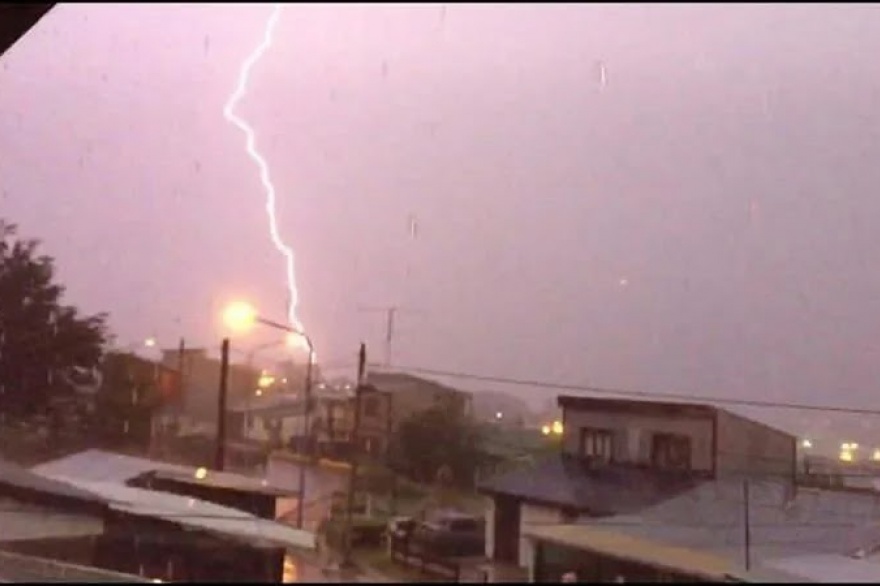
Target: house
(334, 420)
(50, 530)
(165, 535)
(376, 421)
(256, 496)
(131, 390)
(412, 394)
(196, 411)
(274, 419)
(619, 457)
(751, 529)
(650, 491)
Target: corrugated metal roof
(567, 482)
(101, 466)
(710, 518)
(829, 568)
(633, 549)
(195, 513)
(13, 475)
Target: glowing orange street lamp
(241, 316)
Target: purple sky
(706, 221)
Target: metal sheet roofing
(829, 568)
(710, 518)
(17, 477)
(195, 513)
(566, 481)
(102, 466)
(627, 547)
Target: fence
(403, 550)
(25, 568)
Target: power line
(641, 394)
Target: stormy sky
(655, 197)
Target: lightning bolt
(265, 177)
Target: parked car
(451, 533)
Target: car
(452, 533)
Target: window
(597, 444)
(371, 407)
(669, 450)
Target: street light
(241, 316)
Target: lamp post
(241, 316)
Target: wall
(23, 522)
(634, 432)
(533, 514)
(749, 446)
(291, 426)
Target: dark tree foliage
(435, 445)
(44, 345)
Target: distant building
(197, 408)
(411, 394)
(623, 458)
(170, 533)
(132, 389)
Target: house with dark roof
(621, 457)
(397, 396)
(43, 517)
(155, 519)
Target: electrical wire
(549, 385)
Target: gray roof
(395, 381)
(710, 517)
(102, 466)
(567, 481)
(21, 479)
(829, 568)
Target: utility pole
(352, 472)
(308, 454)
(747, 537)
(181, 380)
(389, 434)
(220, 454)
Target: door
(507, 516)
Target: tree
(44, 345)
(437, 446)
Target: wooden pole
(220, 454)
(352, 472)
